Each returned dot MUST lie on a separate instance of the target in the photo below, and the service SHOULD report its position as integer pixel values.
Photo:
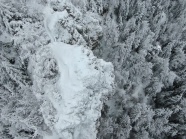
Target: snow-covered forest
(92, 69)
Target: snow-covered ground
(84, 81)
(72, 101)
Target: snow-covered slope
(73, 98)
(84, 81)
(71, 83)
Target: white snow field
(72, 102)
(84, 81)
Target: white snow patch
(84, 80)
(51, 18)
(72, 103)
(72, 99)
(158, 47)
